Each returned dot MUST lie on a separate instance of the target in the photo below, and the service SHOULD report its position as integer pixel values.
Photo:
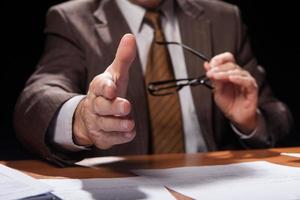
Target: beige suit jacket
(82, 37)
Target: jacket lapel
(110, 31)
(195, 32)
(110, 34)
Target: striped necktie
(165, 112)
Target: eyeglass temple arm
(200, 55)
(162, 85)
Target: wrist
(248, 125)
(79, 131)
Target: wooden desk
(121, 168)
(40, 169)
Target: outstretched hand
(235, 91)
(102, 117)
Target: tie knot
(153, 17)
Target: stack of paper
(16, 185)
(252, 180)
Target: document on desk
(131, 188)
(16, 185)
(295, 155)
(251, 180)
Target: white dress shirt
(134, 15)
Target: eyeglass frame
(157, 86)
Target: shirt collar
(134, 14)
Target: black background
(273, 27)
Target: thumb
(125, 55)
(206, 66)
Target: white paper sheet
(252, 180)
(15, 184)
(296, 155)
(108, 188)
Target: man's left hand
(235, 91)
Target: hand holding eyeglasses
(235, 91)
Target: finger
(103, 85)
(107, 84)
(206, 66)
(222, 58)
(239, 72)
(125, 55)
(246, 82)
(105, 140)
(221, 75)
(115, 107)
(114, 124)
(222, 68)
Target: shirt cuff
(247, 136)
(63, 125)
(242, 135)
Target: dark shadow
(120, 191)
(275, 42)
(22, 46)
(295, 161)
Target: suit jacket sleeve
(60, 75)
(277, 120)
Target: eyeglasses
(167, 87)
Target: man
(88, 99)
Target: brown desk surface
(40, 169)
